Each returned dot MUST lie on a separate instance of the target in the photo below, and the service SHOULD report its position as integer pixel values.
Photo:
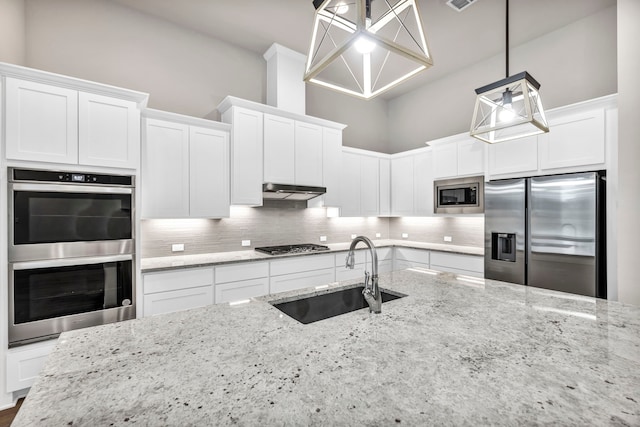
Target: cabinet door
(369, 186)
(245, 289)
(208, 173)
(331, 162)
(423, 184)
(470, 265)
(165, 170)
(25, 363)
(308, 154)
(108, 131)
(350, 185)
(305, 279)
(577, 140)
(183, 299)
(41, 122)
(445, 160)
(385, 187)
(246, 157)
(471, 157)
(402, 186)
(518, 157)
(279, 142)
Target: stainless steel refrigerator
(548, 232)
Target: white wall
(574, 63)
(12, 31)
(628, 151)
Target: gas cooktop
(292, 249)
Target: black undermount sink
(324, 306)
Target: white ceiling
(456, 39)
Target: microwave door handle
(68, 262)
(62, 188)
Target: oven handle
(67, 262)
(61, 188)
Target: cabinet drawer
(243, 271)
(245, 289)
(289, 282)
(175, 280)
(457, 262)
(404, 264)
(25, 363)
(183, 299)
(415, 255)
(300, 264)
(343, 273)
(360, 257)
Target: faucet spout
(371, 290)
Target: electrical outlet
(405, 235)
(177, 247)
(378, 235)
(323, 238)
(448, 239)
(353, 236)
(246, 243)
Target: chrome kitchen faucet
(371, 290)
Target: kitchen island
(454, 351)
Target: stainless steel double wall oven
(71, 252)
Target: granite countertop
(452, 352)
(201, 260)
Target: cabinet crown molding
(150, 113)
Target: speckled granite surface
(450, 353)
(201, 260)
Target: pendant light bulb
(364, 44)
(342, 8)
(506, 112)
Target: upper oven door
(49, 221)
(460, 195)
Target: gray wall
(574, 63)
(12, 31)
(628, 151)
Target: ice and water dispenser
(503, 246)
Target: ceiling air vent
(460, 5)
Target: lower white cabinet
(301, 272)
(25, 363)
(363, 263)
(470, 265)
(241, 281)
(169, 291)
(409, 257)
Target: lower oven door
(53, 296)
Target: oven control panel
(22, 175)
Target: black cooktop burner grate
(292, 249)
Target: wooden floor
(6, 416)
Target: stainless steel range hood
(271, 191)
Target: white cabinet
(363, 263)
(470, 265)
(301, 272)
(460, 155)
(331, 165)
(423, 184)
(409, 257)
(108, 131)
(236, 282)
(279, 149)
(385, 187)
(402, 186)
(246, 155)
(513, 157)
(360, 185)
(308, 154)
(41, 122)
(24, 364)
(176, 290)
(47, 123)
(185, 171)
(573, 140)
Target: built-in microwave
(459, 195)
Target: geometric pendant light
(365, 47)
(510, 108)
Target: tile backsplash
(267, 226)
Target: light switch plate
(246, 243)
(378, 235)
(323, 238)
(177, 247)
(353, 236)
(405, 235)
(448, 239)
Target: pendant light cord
(507, 39)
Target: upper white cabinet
(308, 154)
(573, 140)
(385, 186)
(460, 155)
(517, 156)
(273, 145)
(56, 119)
(360, 184)
(412, 184)
(185, 168)
(331, 165)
